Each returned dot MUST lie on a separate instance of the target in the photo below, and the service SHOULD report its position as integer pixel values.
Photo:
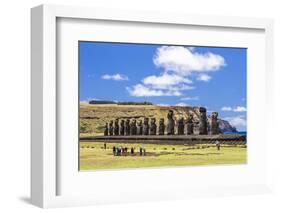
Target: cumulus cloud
(165, 81)
(178, 66)
(184, 60)
(163, 85)
(181, 104)
(162, 104)
(203, 77)
(196, 98)
(226, 108)
(234, 109)
(237, 121)
(240, 109)
(140, 90)
(116, 77)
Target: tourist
(121, 151)
(114, 150)
(218, 145)
(126, 151)
(132, 151)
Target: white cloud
(165, 81)
(182, 104)
(203, 77)
(163, 85)
(240, 109)
(116, 77)
(226, 108)
(162, 104)
(184, 60)
(190, 98)
(234, 109)
(178, 64)
(140, 90)
(237, 121)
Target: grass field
(93, 156)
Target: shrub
(84, 127)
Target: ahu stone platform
(231, 139)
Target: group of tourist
(123, 151)
(144, 127)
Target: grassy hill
(94, 116)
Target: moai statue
(171, 123)
(110, 128)
(153, 126)
(106, 129)
(122, 127)
(214, 124)
(139, 127)
(189, 125)
(127, 127)
(145, 127)
(133, 129)
(161, 129)
(116, 127)
(181, 126)
(203, 122)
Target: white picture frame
(45, 152)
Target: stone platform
(231, 139)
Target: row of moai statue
(145, 128)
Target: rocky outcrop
(225, 126)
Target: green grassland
(93, 156)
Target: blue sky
(166, 75)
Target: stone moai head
(202, 111)
(189, 118)
(116, 121)
(139, 122)
(215, 115)
(134, 121)
(170, 114)
(127, 121)
(161, 121)
(106, 124)
(111, 123)
(153, 121)
(145, 121)
(181, 120)
(122, 122)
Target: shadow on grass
(152, 154)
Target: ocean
(242, 133)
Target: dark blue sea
(242, 133)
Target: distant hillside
(94, 116)
(101, 102)
(119, 102)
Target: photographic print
(161, 105)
